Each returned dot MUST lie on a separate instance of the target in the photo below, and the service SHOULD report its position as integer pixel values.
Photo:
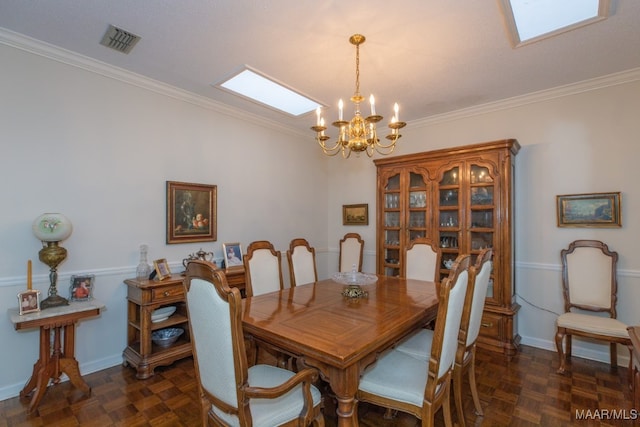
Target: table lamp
(52, 228)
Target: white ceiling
(430, 56)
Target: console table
(61, 359)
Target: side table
(61, 359)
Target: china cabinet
(462, 199)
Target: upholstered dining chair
(230, 392)
(302, 262)
(422, 260)
(590, 284)
(351, 249)
(262, 267)
(421, 387)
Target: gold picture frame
(191, 212)
(162, 269)
(29, 301)
(597, 210)
(355, 214)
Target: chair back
(351, 248)
(589, 279)
(453, 293)
(263, 271)
(215, 325)
(302, 262)
(421, 260)
(480, 273)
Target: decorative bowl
(166, 337)
(162, 313)
(355, 278)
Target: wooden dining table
(337, 335)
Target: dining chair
(302, 262)
(417, 386)
(422, 260)
(230, 392)
(262, 267)
(351, 248)
(590, 284)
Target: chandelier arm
(329, 151)
(394, 139)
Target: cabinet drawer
(490, 325)
(168, 292)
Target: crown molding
(67, 57)
(533, 97)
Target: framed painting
(232, 255)
(81, 287)
(191, 212)
(29, 301)
(355, 214)
(598, 210)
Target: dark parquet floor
(523, 391)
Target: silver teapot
(200, 255)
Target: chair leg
(613, 350)
(446, 408)
(559, 336)
(458, 372)
(472, 384)
(631, 373)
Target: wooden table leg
(344, 384)
(52, 364)
(68, 362)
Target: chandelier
(358, 134)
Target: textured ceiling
(430, 56)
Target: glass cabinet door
(482, 224)
(449, 193)
(404, 217)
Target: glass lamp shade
(52, 227)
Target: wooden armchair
(262, 267)
(230, 392)
(590, 285)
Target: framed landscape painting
(589, 210)
(355, 214)
(191, 212)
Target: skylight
(532, 20)
(257, 87)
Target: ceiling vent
(119, 39)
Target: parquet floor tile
(523, 391)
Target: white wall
(573, 141)
(100, 150)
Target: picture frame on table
(81, 288)
(162, 269)
(355, 214)
(191, 212)
(232, 255)
(597, 210)
(29, 301)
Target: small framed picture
(589, 210)
(232, 254)
(29, 301)
(81, 287)
(162, 269)
(355, 214)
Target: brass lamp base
(53, 301)
(52, 255)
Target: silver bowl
(166, 337)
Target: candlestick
(29, 275)
(372, 101)
(340, 104)
(318, 116)
(395, 109)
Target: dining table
(338, 335)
